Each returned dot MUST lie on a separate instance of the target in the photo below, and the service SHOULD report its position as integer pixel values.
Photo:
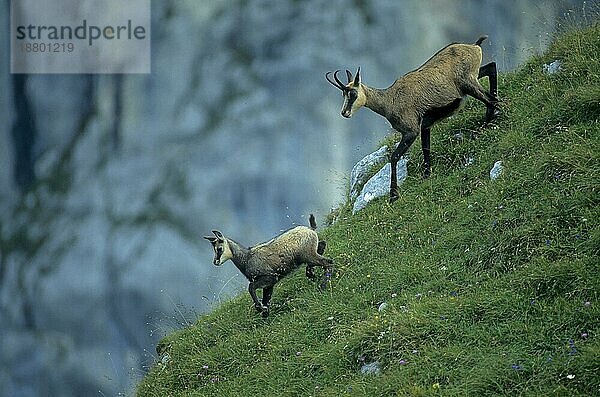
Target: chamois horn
(337, 83)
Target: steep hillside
(464, 286)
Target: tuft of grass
(464, 286)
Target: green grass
(491, 287)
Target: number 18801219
(48, 47)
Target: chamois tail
(312, 222)
(480, 40)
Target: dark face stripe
(349, 99)
(218, 253)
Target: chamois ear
(219, 235)
(357, 78)
(210, 238)
(349, 75)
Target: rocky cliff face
(236, 128)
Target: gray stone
(496, 170)
(379, 184)
(552, 67)
(359, 171)
(373, 368)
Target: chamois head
(221, 247)
(353, 91)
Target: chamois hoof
(327, 276)
(324, 284)
(491, 114)
(265, 312)
(393, 197)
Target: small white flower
(570, 376)
(330, 318)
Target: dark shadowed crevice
(23, 134)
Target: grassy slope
(491, 287)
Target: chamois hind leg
(321, 247)
(425, 145)
(266, 300)
(479, 93)
(408, 137)
(475, 90)
(320, 260)
(317, 259)
(310, 269)
(327, 265)
(491, 72)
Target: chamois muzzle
(218, 255)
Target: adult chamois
(415, 101)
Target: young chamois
(267, 263)
(414, 102)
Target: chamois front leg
(264, 283)
(425, 145)
(266, 300)
(252, 287)
(408, 138)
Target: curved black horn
(349, 75)
(337, 80)
(357, 77)
(335, 84)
